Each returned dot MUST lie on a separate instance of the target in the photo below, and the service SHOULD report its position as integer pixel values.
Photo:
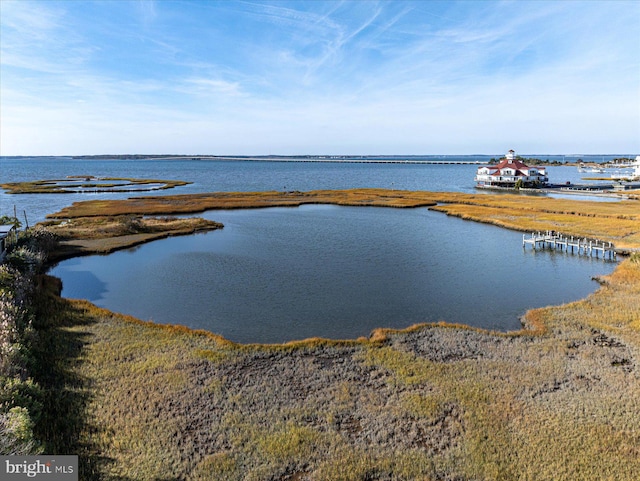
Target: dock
(578, 245)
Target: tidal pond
(279, 274)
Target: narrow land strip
(617, 222)
(104, 234)
(82, 183)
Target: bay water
(279, 274)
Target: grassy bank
(22, 399)
(558, 400)
(430, 403)
(104, 234)
(618, 222)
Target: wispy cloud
(31, 21)
(147, 10)
(325, 77)
(211, 87)
(36, 37)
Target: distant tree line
(529, 161)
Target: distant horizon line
(296, 156)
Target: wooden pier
(578, 245)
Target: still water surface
(278, 274)
(242, 176)
(273, 275)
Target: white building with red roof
(508, 172)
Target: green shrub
(39, 240)
(16, 393)
(7, 220)
(16, 433)
(132, 224)
(25, 259)
(20, 398)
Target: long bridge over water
(333, 160)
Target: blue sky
(315, 77)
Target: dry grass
(618, 222)
(558, 400)
(104, 234)
(622, 229)
(190, 203)
(431, 402)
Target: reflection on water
(79, 279)
(278, 274)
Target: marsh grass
(618, 222)
(60, 186)
(622, 230)
(557, 400)
(159, 402)
(104, 234)
(191, 203)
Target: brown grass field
(104, 234)
(617, 222)
(559, 400)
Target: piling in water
(584, 246)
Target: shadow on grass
(64, 424)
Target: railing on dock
(578, 245)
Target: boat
(622, 174)
(583, 169)
(629, 174)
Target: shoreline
(433, 401)
(512, 211)
(76, 242)
(631, 191)
(103, 234)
